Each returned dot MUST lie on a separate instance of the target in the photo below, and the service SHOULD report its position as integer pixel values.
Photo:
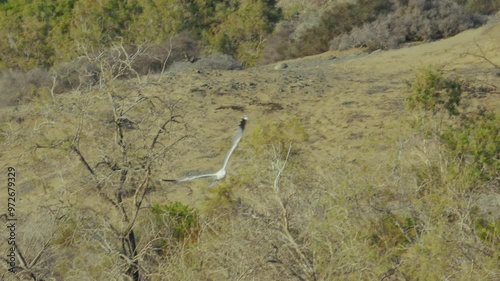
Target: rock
(280, 65)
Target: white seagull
(222, 172)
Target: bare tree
(123, 177)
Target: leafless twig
(307, 271)
(484, 57)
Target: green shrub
(182, 218)
(471, 138)
(475, 140)
(431, 92)
(241, 31)
(488, 231)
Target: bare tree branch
(484, 57)
(307, 271)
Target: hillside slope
(341, 113)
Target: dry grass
(329, 182)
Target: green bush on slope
(472, 138)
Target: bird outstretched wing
(191, 178)
(236, 139)
(222, 172)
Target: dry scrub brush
(408, 219)
(276, 221)
(414, 20)
(372, 24)
(453, 168)
(96, 67)
(281, 220)
(250, 225)
(105, 145)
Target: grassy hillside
(339, 175)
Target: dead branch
(307, 270)
(484, 57)
(82, 159)
(164, 64)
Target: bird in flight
(222, 172)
